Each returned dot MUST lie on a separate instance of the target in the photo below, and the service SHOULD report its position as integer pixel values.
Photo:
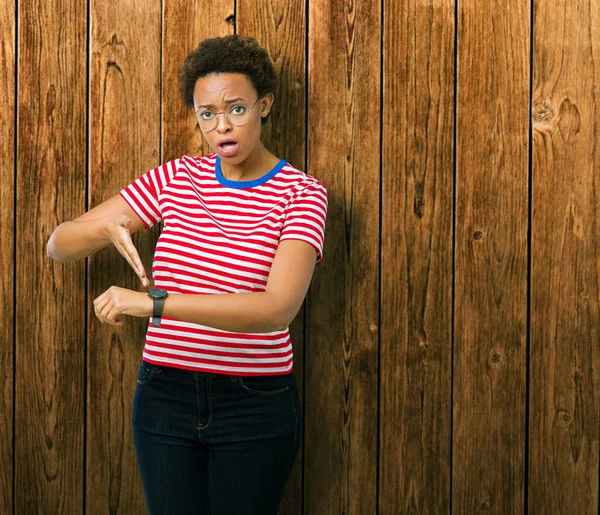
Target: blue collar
(247, 184)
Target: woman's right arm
(112, 221)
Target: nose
(223, 124)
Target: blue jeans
(214, 443)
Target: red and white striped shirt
(218, 237)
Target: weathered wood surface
(50, 307)
(447, 357)
(565, 260)
(8, 66)
(124, 144)
(342, 317)
(416, 259)
(490, 288)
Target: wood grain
(185, 25)
(124, 144)
(8, 66)
(416, 259)
(50, 308)
(342, 317)
(488, 438)
(451, 343)
(280, 28)
(565, 272)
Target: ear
(265, 104)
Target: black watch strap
(158, 296)
(157, 310)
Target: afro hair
(228, 54)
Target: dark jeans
(213, 443)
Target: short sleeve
(305, 218)
(142, 194)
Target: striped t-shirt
(218, 237)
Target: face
(211, 93)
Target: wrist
(147, 304)
(104, 224)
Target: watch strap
(157, 309)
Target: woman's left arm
(260, 312)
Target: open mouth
(228, 147)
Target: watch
(158, 297)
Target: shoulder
(189, 161)
(300, 180)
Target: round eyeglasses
(237, 114)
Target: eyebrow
(229, 101)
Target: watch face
(158, 293)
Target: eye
(209, 113)
(239, 109)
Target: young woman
(216, 415)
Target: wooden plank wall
(7, 219)
(565, 257)
(447, 353)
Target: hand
(119, 301)
(117, 230)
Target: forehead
(215, 88)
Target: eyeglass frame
(224, 113)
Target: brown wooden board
(565, 259)
(8, 66)
(280, 28)
(342, 315)
(185, 25)
(124, 144)
(50, 306)
(416, 259)
(490, 276)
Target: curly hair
(228, 54)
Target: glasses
(237, 114)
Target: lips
(228, 147)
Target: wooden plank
(185, 25)
(280, 28)
(124, 144)
(50, 310)
(565, 272)
(416, 258)
(342, 316)
(8, 66)
(491, 257)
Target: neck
(257, 164)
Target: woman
(216, 415)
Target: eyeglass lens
(237, 114)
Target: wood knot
(563, 418)
(495, 358)
(569, 120)
(543, 113)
